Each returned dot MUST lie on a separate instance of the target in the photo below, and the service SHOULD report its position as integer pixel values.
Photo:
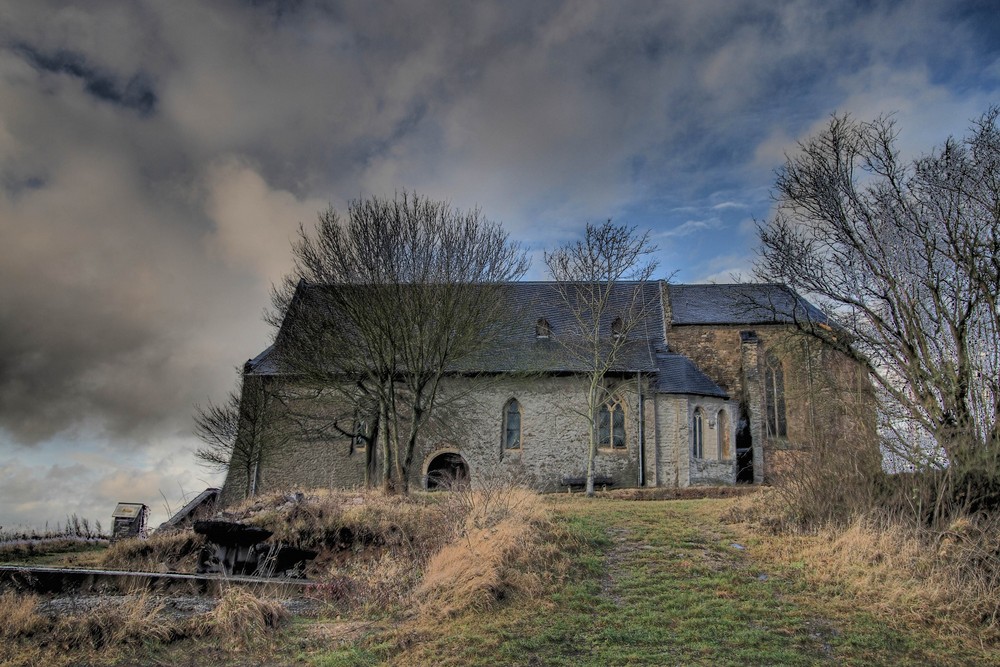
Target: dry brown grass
(499, 554)
(120, 627)
(950, 576)
(241, 620)
(20, 615)
(948, 580)
(133, 621)
(26, 551)
(97, 636)
(327, 519)
(162, 552)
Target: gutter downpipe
(642, 419)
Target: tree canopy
(406, 287)
(904, 256)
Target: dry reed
(501, 552)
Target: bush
(241, 620)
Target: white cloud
(254, 225)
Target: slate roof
(520, 351)
(262, 364)
(676, 374)
(209, 495)
(743, 304)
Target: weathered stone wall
(712, 468)
(715, 350)
(554, 439)
(671, 427)
(554, 435)
(305, 460)
(814, 376)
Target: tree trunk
(386, 445)
(592, 449)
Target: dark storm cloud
(155, 158)
(136, 92)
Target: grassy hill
(566, 580)
(667, 583)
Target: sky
(156, 159)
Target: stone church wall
(717, 465)
(554, 436)
(814, 377)
(554, 439)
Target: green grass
(650, 583)
(659, 583)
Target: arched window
(542, 328)
(722, 422)
(617, 328)
(512, 425)
(611, 426)
(698, 435)
(774, 398)
(360, 435)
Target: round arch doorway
(446, 470)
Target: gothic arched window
(774, 398)
(512, 425)
(611, 426)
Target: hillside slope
(667, 583)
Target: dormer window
(542, 328)
(617, 328)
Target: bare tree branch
(590, 276)
(903, 256)
(382, 303)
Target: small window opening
(512, 425)
(617, 328)
(698, 435)
(542, 328)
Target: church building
(717, 385)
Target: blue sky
(156, 158)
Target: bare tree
(590, 276)
(905, 258)
(383, 303)
(244, 431)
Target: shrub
(241, 620)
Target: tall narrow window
(611, 426)
(618, 427)
(617, 328)
(360, 435)
(542, 328)
(512, 425)
(698, 435)
(723, 425)
(774, 398)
